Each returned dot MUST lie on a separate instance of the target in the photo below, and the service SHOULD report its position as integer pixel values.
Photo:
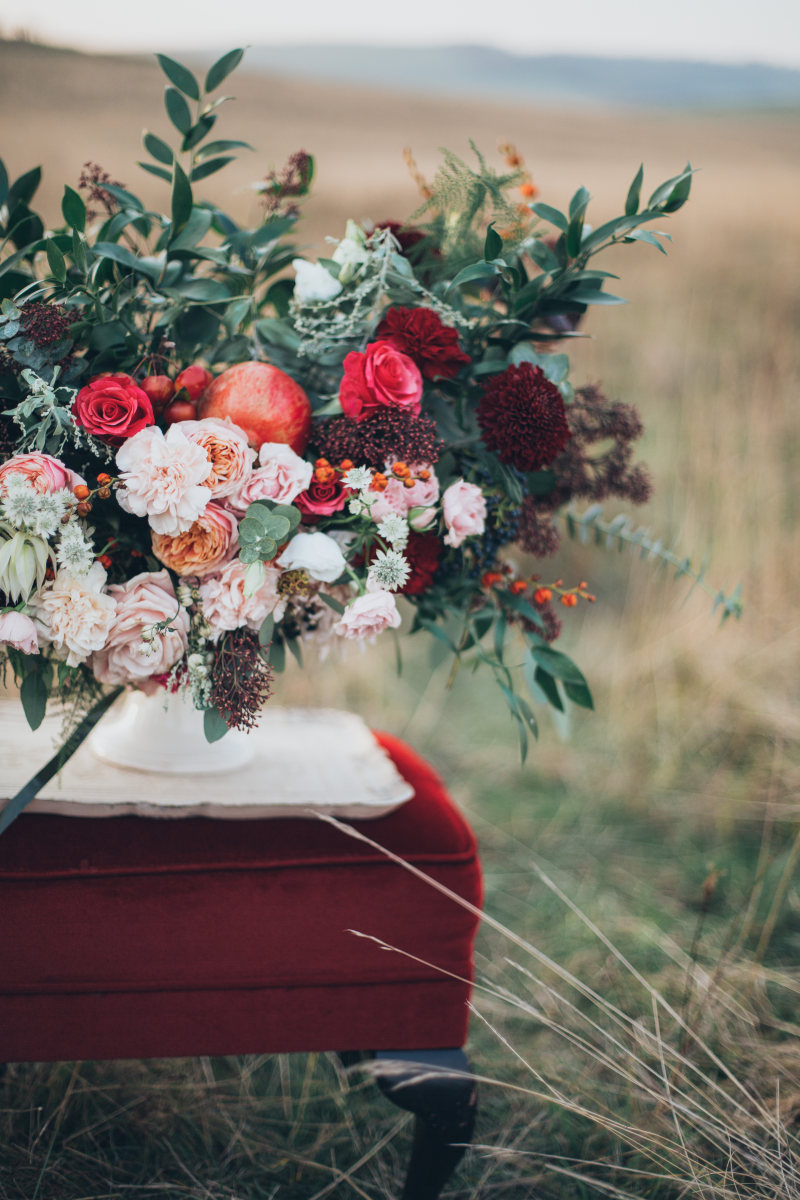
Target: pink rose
(380, 377)
(227, 448)
(127, 657)
(464, 512)
(368, 616)
(19, 632)
(391, 500)
(225, 605)
(282, 476)
(45, 473)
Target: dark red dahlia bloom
(420, 334)
(523, 418)
(422, 551)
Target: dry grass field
(689, 770)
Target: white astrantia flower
(313, 282)
(51, 508)
(394, 529)
(389, 571)
(75, 552)
(357, 478)
(19, 504)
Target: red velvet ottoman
(129, 937)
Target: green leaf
(222, 69)
(181, 76)
(33, 694)
(634, 193)
(214, 725)
(79, 252)
(206, 291)
(277, 656)
(3, 183)
(161, 172)
(266, 631)
(250, 531)
(193, 231)
(119, 254)
(543, 256)
(574, 235)
(199, 131)
(579, 203)
(55, 259)
(679, 194)
(493, 245)
(293, 645)
(550, 688)
(481, 270)
(561, 667)
(579, 694)
(24, 189)
(548, 213)
(177, 110)
(220, 147)
(590, 295)
(74, 209)
(331, 602)
(210, 167)
(124, 197)
(157, 148)
(664, 192)
(182, 199)
(644, 235)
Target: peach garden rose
(206, 545)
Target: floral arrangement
(213, 451)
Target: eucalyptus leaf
(222, 69)
(553, 215)
(266, 630)
(33, 694)
(151, 169)
(157, 148)
(180, 75)
(214, 725)
(210, 167)
(177, 110)
(634, 193)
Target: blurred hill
(559, 79)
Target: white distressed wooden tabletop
(307, 761)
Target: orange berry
(528, 189)
(400, 469)
(542, 595)
(570, 600)
(80, 491)
(513, 160)
(103, 493)
(324, 474)
(84, 508)
(105, 560)
(490, 578)
(583, 584)
(424, 474)
(409, 483)
(517, 587)
(322, 462)
(379, 483)
(345, 465)
(103, 479)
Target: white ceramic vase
(163, 733)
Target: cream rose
(75, 615)
(464, 512)
(127, 657)
(228, 450)
(368, 616)
(164, 478)
(202, 548)
(225, 605)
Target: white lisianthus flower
(316, 553)
(313, 282)
(74, 614)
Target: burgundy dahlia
(422, 552)
(523, 418)
(420, 334)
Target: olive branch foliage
(144, 287)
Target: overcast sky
(722, 30)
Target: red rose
(423, 551)
(112, 408)
(380, 377)
(322, 499)
(420, 334)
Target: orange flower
(201, 549)
(517, 587)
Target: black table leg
(439, 1088)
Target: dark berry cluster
(241, 680)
